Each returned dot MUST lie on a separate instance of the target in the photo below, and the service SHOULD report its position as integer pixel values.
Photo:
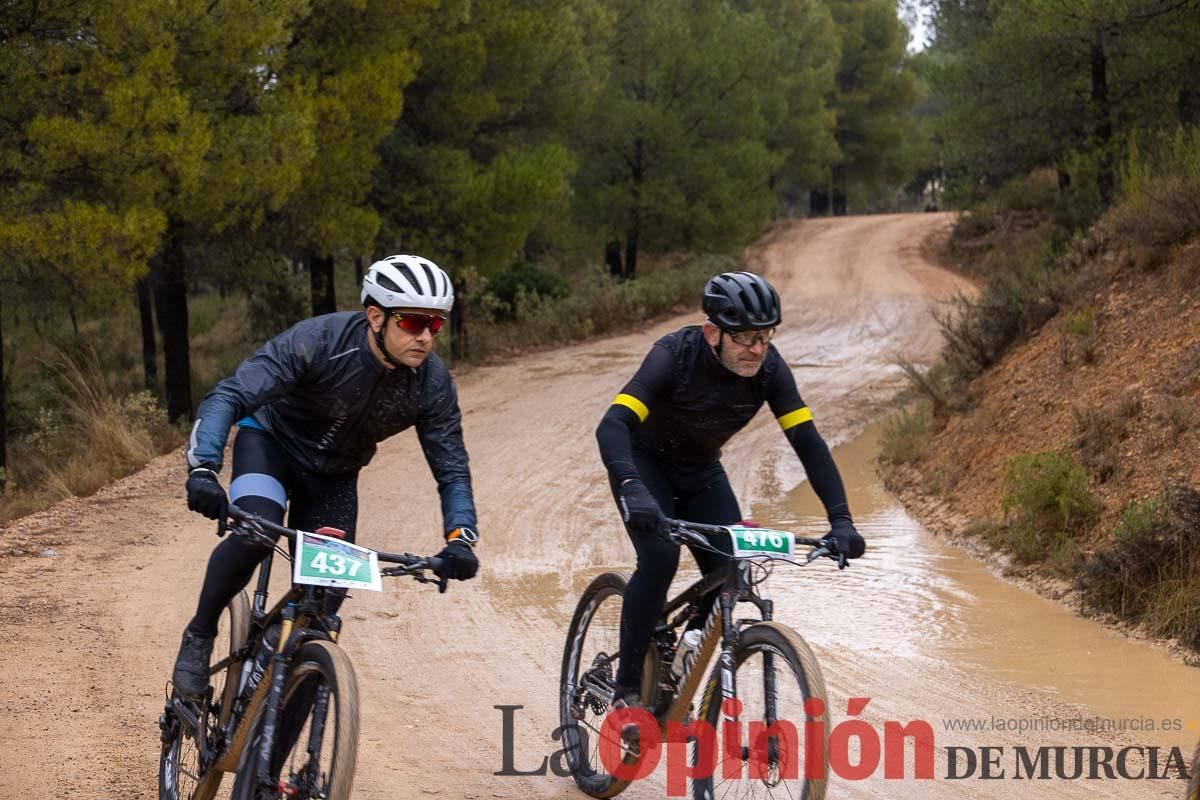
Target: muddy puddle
(947, 621)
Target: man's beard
(745, 367)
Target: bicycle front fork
(266, 742)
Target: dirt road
(91, 630)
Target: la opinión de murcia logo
(752, 749)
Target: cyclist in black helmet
(661, 442)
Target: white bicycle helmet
(408, 282)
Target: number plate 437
(322, 561)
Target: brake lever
(824, 552)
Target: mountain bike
(762, 663)
(281, 711)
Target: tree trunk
(458, 322)
(631, 244)
(633, 233)
(1105, 177)
(3, 401)
(320, 275)
(837, 191)
(612, 258)
(168, 277)
(359, 267)
(149, 347)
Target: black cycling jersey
(325, 398)
(682, 405)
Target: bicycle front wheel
(776, 674)
(316, 744)
(179, 768)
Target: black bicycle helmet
(741, 301)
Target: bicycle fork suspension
(310, 775)
(266, 743)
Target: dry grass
(905, 435)
(98, 436)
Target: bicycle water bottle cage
(336, 533)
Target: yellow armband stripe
(633, 404)
(794, 418)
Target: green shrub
(1048, 491)
(1160, 185)
(1037, 191)
(1138, 520)
(526, 280)
(1149, 571)
(1079, 204)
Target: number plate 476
(762, 542)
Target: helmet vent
(410, 277)
(429, 276)
(387, 283)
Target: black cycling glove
(846, 539)
(458, 561)
(639, 509)
(205, 494)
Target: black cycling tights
(696, 494)
(265, 478)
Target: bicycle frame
(735, 587)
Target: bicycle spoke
(774, 662)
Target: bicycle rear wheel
(775, 670)
(316, 748)
(179, 769)
(589, 671)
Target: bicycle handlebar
(682, 531)
(252, 524)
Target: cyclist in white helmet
(311, 406)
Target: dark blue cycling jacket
(319, 390)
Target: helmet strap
(383, 347)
